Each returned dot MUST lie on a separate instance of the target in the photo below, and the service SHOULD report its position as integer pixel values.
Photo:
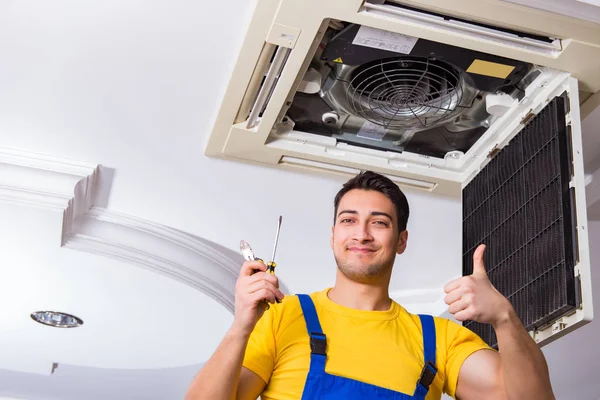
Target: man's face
(365, 237)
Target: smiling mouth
(360, 250)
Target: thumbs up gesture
(474, 297)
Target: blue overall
(321, 385)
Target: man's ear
(402, 242)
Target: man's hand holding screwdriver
(254, 290)
(254, 286)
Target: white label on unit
(385, 40)
(369, 130)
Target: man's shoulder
(293, 300)
(290, 306)
(442, 324)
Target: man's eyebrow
(382, 213)
(374, 213)
(347, 212)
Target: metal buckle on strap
(318, 343)
(427, 374)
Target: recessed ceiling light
(56, 319)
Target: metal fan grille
(405, 92)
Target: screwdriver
(248, 254)
(271, 264)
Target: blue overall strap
(429, 369)
(318, 341)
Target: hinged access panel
(527, 205)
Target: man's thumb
(478, 266)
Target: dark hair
(368, 180)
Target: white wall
(574, 360)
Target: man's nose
(362, 233)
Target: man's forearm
(524, 367)
(218, 378)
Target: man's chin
(362, 277)
(360, 270)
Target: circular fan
(405, 92)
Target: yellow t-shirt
(383, 348)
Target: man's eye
(384, 223)
(346, 220)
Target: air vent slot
(326, 167)
(256, 81)
(264, 79)
(539, 44)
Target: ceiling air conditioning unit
(477, 99)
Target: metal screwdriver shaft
(271, 265)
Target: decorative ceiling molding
(30, 364)
(592, 190)
(204, 265)
(421, 301)
(199, 263)
(43, 181)
(72, 188)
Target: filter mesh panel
(520, 205)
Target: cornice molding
(44, 181)
(592, 189)
(196, 262)
(71, 187)
(421, 301)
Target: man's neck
(360, 296)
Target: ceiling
(587, 10)
(105, 109)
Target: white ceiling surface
(591, 141)
(591, 146)
(128, 312)
(574, 359)
(134, 86)
(588, 10)
(84, 383)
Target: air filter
(521, 206)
